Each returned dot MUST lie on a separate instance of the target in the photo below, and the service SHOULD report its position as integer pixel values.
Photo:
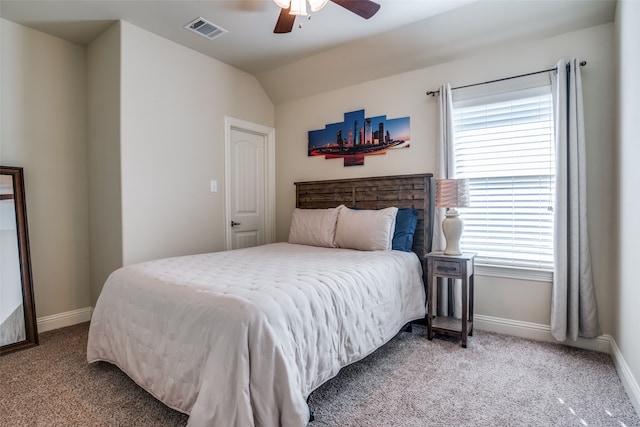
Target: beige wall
(404, 95)
(43, 130)
(174, 101)
(627, 314)
(105, 205)
(119, 142)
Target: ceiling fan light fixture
(316, 5)
(289, 9)
(284, 4)
(298, 7)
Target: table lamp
(452, 194)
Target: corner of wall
(629, 381)
(105, 201)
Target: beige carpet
(497, 381)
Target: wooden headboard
(402, 191)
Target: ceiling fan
(293, 8)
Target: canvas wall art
(359, 136)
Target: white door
(250, 183)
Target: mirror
(18, 329)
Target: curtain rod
(436, 92)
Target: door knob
(233, 223)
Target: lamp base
(452, 229)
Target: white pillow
(314, 227)
(366, 230)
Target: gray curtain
(444, 156)
(444, 169)
(573, 305)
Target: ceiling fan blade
(363, 8)
(285, 22)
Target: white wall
(173, 105)
(627, 315)
(43, 130)
(404, 95)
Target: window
(504, 145)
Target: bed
(242, 337)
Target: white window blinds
(504, 146)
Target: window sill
(514, 273)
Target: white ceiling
(420, 32)
(250, 43)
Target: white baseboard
(536, 331)
(626, 376)
(68, 318)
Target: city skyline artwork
(357, 137)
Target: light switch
(213, 185)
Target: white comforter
(241, 338)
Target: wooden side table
(450, 267)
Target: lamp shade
(452, 193)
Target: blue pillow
(406, 221)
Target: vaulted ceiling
(334, 48)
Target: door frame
(269, 134)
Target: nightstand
(450, 267)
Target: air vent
(205, 28)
